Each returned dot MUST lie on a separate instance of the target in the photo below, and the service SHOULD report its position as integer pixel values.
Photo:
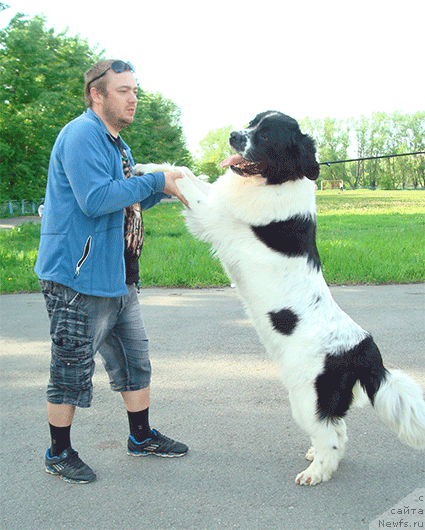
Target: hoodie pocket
(84, 256)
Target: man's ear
(96, 96)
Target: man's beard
(117, 122)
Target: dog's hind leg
(328, 449)
(328, 439)
(341, 431)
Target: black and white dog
(260, 217)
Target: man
(91, 238)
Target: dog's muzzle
(238, 141)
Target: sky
(222, 62)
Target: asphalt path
(7, 223)
(215, 389)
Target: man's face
(118, 107)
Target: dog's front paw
(142, 169)
(195, 198)
(185, 187)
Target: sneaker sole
(162, 455)
(66, 479)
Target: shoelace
(74, 460)
(163, 441)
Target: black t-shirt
(132, 271)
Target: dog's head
(273, 145)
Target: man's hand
(171, 188)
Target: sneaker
(158, 445)
(69, 467)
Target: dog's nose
(237, 140)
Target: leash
(368, 158)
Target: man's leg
(61, 459)
(125, 354)
(60, 419)
(137, 399)
(71, 371)
(60, 415)
(137, 405)
(143, 440)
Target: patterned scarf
(133, 225)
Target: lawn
(372, 236)
(364, 237)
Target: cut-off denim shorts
(81, 325)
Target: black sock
(139, 425)
(60, 439)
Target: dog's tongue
(234, 160)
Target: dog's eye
(263, 135)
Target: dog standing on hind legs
(260, 217)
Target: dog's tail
(398, 401)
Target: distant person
(341, 186)
(91, 239)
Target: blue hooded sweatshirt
(82, 230)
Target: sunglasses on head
(118, 67)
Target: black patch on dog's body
(294, 237)
(284, 321)
(334, 385)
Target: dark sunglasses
(118, 67)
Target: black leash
(368, 158)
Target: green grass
(171, 256)
(371, 236)
(363, 237)
(18, 253)
(370, 202)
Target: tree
(361, 128)
(214, 148)
(415, 142)
(379, 135)
(41, 89)
(332, 139)
(156, 134)
(384, 135)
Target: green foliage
(41, 89)
(381, 134)
(156, 134)
(332, 142)
(214, 148)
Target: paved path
(10, 222)
(215, 389)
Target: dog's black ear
(308, 162)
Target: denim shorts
(81, 325)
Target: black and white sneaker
(158, 445)
(69, 467)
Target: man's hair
(100, 84)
